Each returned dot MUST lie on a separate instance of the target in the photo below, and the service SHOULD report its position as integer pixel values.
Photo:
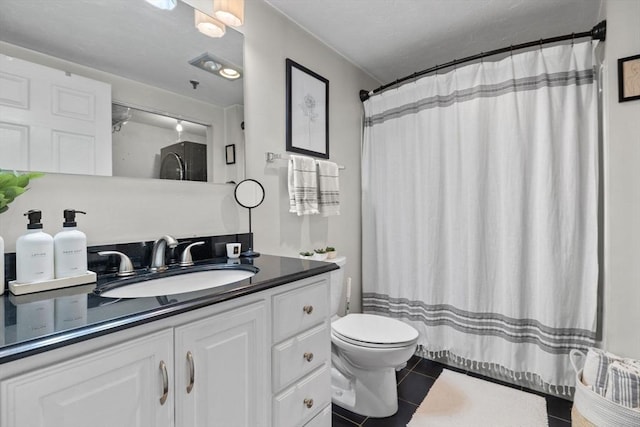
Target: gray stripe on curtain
(551, 340)
(567, 78)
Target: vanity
(250, 353)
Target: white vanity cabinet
(301, 356)
(221, 369)
(118, 386)
(205, 367)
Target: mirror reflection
(150, 60)
(150, 145)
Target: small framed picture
(230, 153)
(307, 111)
(629, 78)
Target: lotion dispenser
(70, 247)
(34, 252)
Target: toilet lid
(373, 329)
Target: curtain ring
(540, 44)
(436, 70)
(511, 51)
(572, 38)
(482, 57)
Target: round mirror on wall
(249, 194)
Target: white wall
(621, 188)
(269, 39)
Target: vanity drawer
(301, 402)
(300, 355)
(323, 419)
(300, 309)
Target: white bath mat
(458, 400)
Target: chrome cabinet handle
(308, 309)
(308, 357)
(192, 372)
(308, 402)
(165, 382)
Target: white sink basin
(178, 284)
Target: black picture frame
(230, 154)
(629, 78)
(307, 111)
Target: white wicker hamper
(592, 409)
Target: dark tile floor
(414, 382)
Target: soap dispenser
(34, 252)
(70, 247)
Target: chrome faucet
(157, 255)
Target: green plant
(320, 251)
(306, 253)
(12, 185)
(330, 249)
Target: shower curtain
(480, 205)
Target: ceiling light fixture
(217, 66)
(163, 4)
(211, 65)
(179, 126)
(209, 26)
(229, 73)
(231, 12)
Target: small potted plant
(331, 252)
(306, 255)
(320, 254)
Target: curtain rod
(598, 32)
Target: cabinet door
(120, 386)
(227, 357)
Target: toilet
(366, 350)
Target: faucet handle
(126, 266)
(186, 260)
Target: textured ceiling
(390, 39)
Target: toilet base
(369, 393)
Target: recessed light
(229, 73)
(211, 65)
(219, 67)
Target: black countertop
(38, 322)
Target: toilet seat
(368, 330)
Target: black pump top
(70, 217)
(35, 216)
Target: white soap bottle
(70, 248)
(34, 252)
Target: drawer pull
(308, 357)
(165, 382)
(308, 309)
(192, 372)
(308, 402)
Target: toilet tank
(337, 290)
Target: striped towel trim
(303, 185)
(328, 188)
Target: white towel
(303, 185)
(328, 188)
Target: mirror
(144, 54)
(149, 145)
(249, 194)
